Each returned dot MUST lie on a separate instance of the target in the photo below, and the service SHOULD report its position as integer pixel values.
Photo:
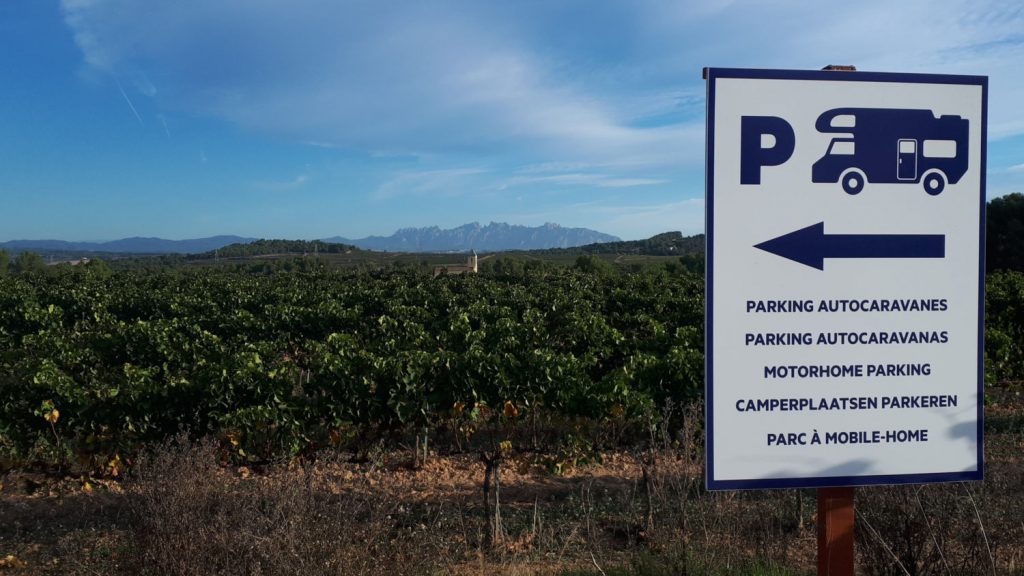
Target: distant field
(364, 259)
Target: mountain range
(135, 245)
(490, 238)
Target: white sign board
(845, 278)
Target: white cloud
(686, 216)
(630, 182)
(583, 179)
(628, 221)
(448, 77)
(975, 37)
(558, 94)
(464, 75)
(436, 183)
(1016, 168)
(281, 185)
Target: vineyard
(96, 364)
(147, 414)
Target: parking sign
(845, 278)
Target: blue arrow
(810, 246)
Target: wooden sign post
(835, 531)
(835, 505)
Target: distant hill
(665, 244)
(268, 247)
(127, 245)
(493, 237)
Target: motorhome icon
(891, 146)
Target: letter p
(754, 154)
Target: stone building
(470, 267)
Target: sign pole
(835, 505)
(835, 531)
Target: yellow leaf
(510, 410)
(11, 561)
(115, 466)
(52, 416)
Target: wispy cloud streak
(130, 105)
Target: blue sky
(315, 118)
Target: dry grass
(641, 511)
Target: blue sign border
(711, 75)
